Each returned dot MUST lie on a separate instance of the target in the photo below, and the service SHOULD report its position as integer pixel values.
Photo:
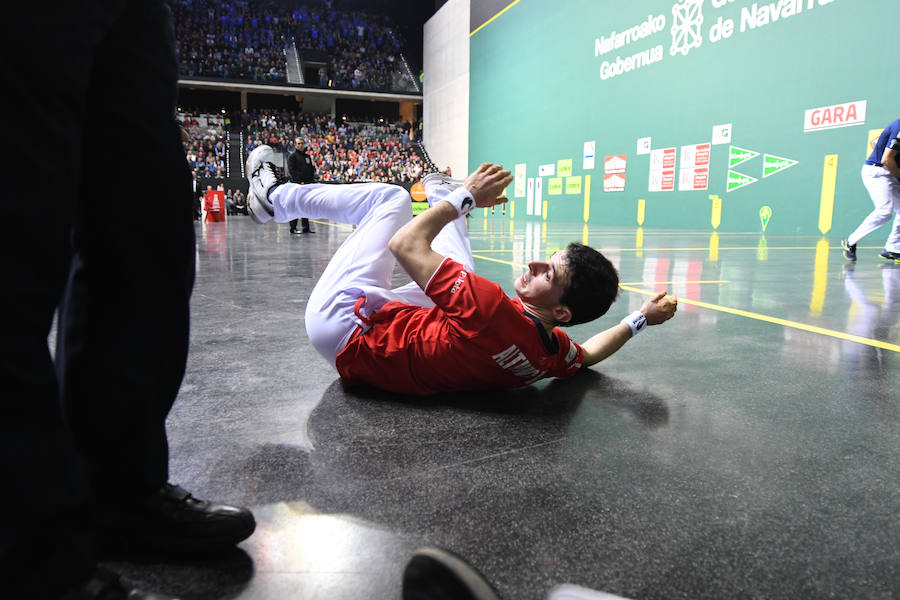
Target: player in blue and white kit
(881, 176)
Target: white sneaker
(438, 185)
(261, 172)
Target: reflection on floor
(748, 448)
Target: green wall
(538, 94)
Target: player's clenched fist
(486, 183)
(660, 308)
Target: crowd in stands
(345, 151)
(207, 150)
(245, 39)
(232, 40)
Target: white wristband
(636, 321)
(461, 200)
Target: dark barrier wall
(686, 114)
(234, 183)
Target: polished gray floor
(750, 448)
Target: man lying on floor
(449, 329)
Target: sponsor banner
(554, 186)
(615, 164)
(874, 134)
(538, 196)
(773, 164)
(588, 157)
(547, 170)
(643, 145)
(737, 156)
(564, 167)
(417, 192)
(662, 181)
(662, 170)
(573, 185)
(662, 158)
(614, 182)
(738, 180)
(721, 134)
(834, 116)
(693, 179)
(519, 182)
(696, 155)
(530, 206)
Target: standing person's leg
(123, 335)
(294, 225)
(304, 226)
(44, 540)
(893, 241)
(880, 185)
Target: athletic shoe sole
(257, 209)
(434, 180)
(260, 210)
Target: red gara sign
(837, 115)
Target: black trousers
(304, 223)
(91, 89)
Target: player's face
(544, 282)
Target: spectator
(240, 204)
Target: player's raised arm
(411, 244)
(654, 311)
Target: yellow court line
(671, 282)
(333, 224)
(734, 311)
(497, 260)
(784, 322)
(693, 249)
(483, 25)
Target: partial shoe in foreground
(435, 574)
(263, 176)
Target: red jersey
(475, 337)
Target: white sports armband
(461, 200)
(636, 321)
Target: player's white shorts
(363, 265)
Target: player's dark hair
(593, 284)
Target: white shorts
(363, 265)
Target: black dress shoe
(104, 585)
(171, 521)
(307, 231)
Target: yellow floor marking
(826, 200)
(734, 311)
(624, 283)
(701, 248)
(783, 322)
(333, 224)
